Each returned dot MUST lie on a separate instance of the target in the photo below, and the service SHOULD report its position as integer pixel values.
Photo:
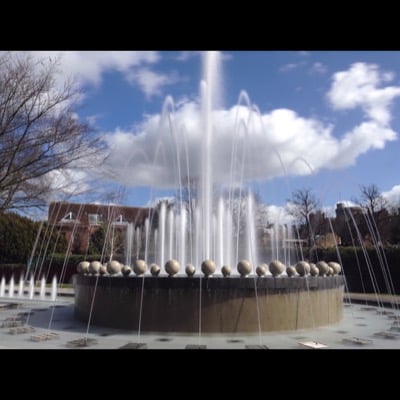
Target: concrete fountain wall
(228, 305)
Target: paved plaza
(43, 324)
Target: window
(94, 219)
(67, 217)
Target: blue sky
(337, 111)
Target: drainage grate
(313, 345)
(256, 347)
(342, 331)
(387, 335)
(84, 342)
(235, 341)
(384, 312)
(44, 336)
(134, 346)
(21, 329)
(9, 305)
(196, 347)
(11, 324)
(356, 340)
(163, 339)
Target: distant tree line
(371, 222)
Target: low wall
(221, 305)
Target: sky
(328, 121)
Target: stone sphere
(276, 267)
(314, 271)
(208, 267)
(103, 269)
(190, 269)
(94, 267)
(291, 271)
(83, 267)
(172, 267)
(126, 270)
(323, 268)
(155, 269)
(226, 270)
(139, 267)
(303, 268)
(114, 267)
(244, 267)
(330, 271)
(261, 269)
(337, 268)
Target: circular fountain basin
(210, 305)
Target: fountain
(208, 235)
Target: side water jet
(11, 287)
(21, 286)
(54, 288)
(2, 286)
(42, 293)
(31, 287)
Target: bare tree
(372, 198)
(39, 131)
(377, 218)
(302, 204)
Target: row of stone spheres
(208, 267)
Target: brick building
(82, 220)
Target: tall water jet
(2, 286)
(209, 98)
(129, 241)
(252, 255)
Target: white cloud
(151, 82)
(319, 68)
(291, 66)
(303, 53)
(364, 137)
(278, 215)
(272, 144)
(186, 55)
(89, 67)
(393, 196)
(360, 87)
